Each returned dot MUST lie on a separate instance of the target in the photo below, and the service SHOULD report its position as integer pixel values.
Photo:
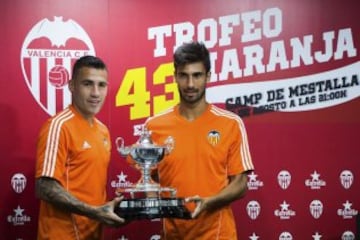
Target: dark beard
(193, 100)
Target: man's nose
(190, 81)
(95, 90)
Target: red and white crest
(47, 55)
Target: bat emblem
(48, 52)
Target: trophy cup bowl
(151, 204)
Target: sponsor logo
(121, 182)
(348, 235)
(285, 236)
(347, 212)
(18, 182)
(316, 236)
(19, 218)
(155, 237)
(284, 179)
(315, 182)
(254, 237)
(316, 208)
(48, 52)
(284, 213)
(346, 178)
(253, 183)
(253, 209)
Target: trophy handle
(124, 151)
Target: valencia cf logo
(316, 208)
(213, 137)
(48, 52)
(18, 182)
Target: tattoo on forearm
(51, 191)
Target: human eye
(103, 84)
(198, 75)
(87, 83)
(182, 76)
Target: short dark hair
(190, 53)
(87, 61)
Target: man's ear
(208, 76)
(71, 85)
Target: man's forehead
(192, 68)
(93, 73)
(86, 71)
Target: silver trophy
(145, 199)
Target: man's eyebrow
(89, 81)
(192, 73)
(86, 80)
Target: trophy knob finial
(145, 138)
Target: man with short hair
(73, 154)
(210, 159)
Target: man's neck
(192, 111)
(88, 118)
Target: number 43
(134, 92)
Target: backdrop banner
(290, 69)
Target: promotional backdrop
(290, 69)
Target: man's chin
(93, 111)
(190, 100)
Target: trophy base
(150, 208)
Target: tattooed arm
(51, 191)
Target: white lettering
(253, 55)
(301, 51)
(226, 23)
(212, 35)
(207, 30)
(230, 64)
(250, 32)
(345, 43)
(184, 32)
(272, 28)
(277, 56)
(328, 39)
(158, 33)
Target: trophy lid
(145, 139)
(145, 147)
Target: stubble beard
(192, 101)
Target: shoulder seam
(52, 141)
(169, 110)
(244, 148)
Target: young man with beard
(210, 159)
